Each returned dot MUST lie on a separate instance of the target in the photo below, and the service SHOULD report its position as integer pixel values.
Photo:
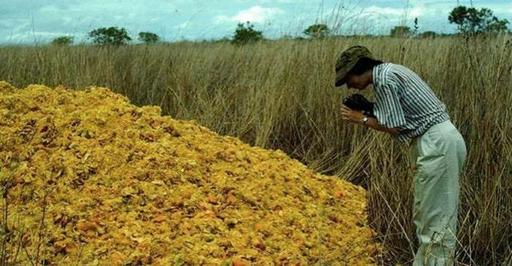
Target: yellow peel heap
(88, 178)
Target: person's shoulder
(398, 73)
(392, 68)
(387, 68)
(398, 69)
(384, 72)
(391, 74)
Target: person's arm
(374, 123)
(356, 117)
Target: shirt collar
(377, 74)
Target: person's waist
(414, 139)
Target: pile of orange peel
(88, 178)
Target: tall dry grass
(280, 95)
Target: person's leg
(441, 153)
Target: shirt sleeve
(388, 109)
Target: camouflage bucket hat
(348, 60)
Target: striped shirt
(405, 101)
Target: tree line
(469, 20)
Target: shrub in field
(317, 31)
(63, 40)
(148, 37)
(245, 33)
(110, 36)
(428, 34)
(401, 31)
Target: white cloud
(280, 1)
(35, 36)
(49, 9)
(416, 11)
(273, 1)
(255, 14)
(183, 25)
(385, 11)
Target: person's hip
(440, 139)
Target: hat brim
(340, 82)
(342, 73)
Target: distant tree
(470, 20)
(63, 40)
(245, 33)
(401, 31)
(148, 37)
(428, 34)
(287, 37)
(317, 31)
(416, 27)
(224, 39)
(110, 36)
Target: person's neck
(368, 75)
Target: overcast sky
(28, 21)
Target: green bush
(110, 36)
(63, 40)
(317, 31)
(245, 33)
(148, 37)
(401, 31)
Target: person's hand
(350, 115)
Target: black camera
(360, 103)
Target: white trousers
(439, 155)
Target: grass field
(280, 95)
